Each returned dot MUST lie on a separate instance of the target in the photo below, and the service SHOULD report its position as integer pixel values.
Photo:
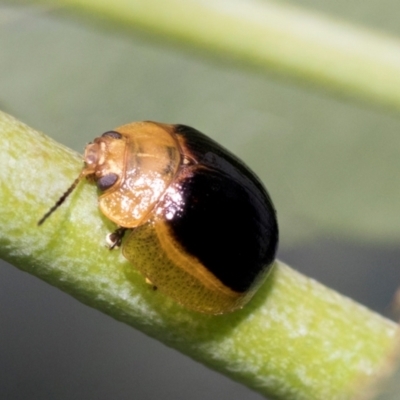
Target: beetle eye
(112, 134)
(106, 181)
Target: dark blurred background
(330, 164)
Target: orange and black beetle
(202, 227)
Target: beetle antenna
(61, 199)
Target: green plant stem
(295, 340)
(328, 53)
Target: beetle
(200, 225)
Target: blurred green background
(330, 164)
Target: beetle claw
(114, 239)
(149, 282)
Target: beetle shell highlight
(202, 228)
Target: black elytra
(236, 231)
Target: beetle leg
(114, 239)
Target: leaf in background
(330, 166)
